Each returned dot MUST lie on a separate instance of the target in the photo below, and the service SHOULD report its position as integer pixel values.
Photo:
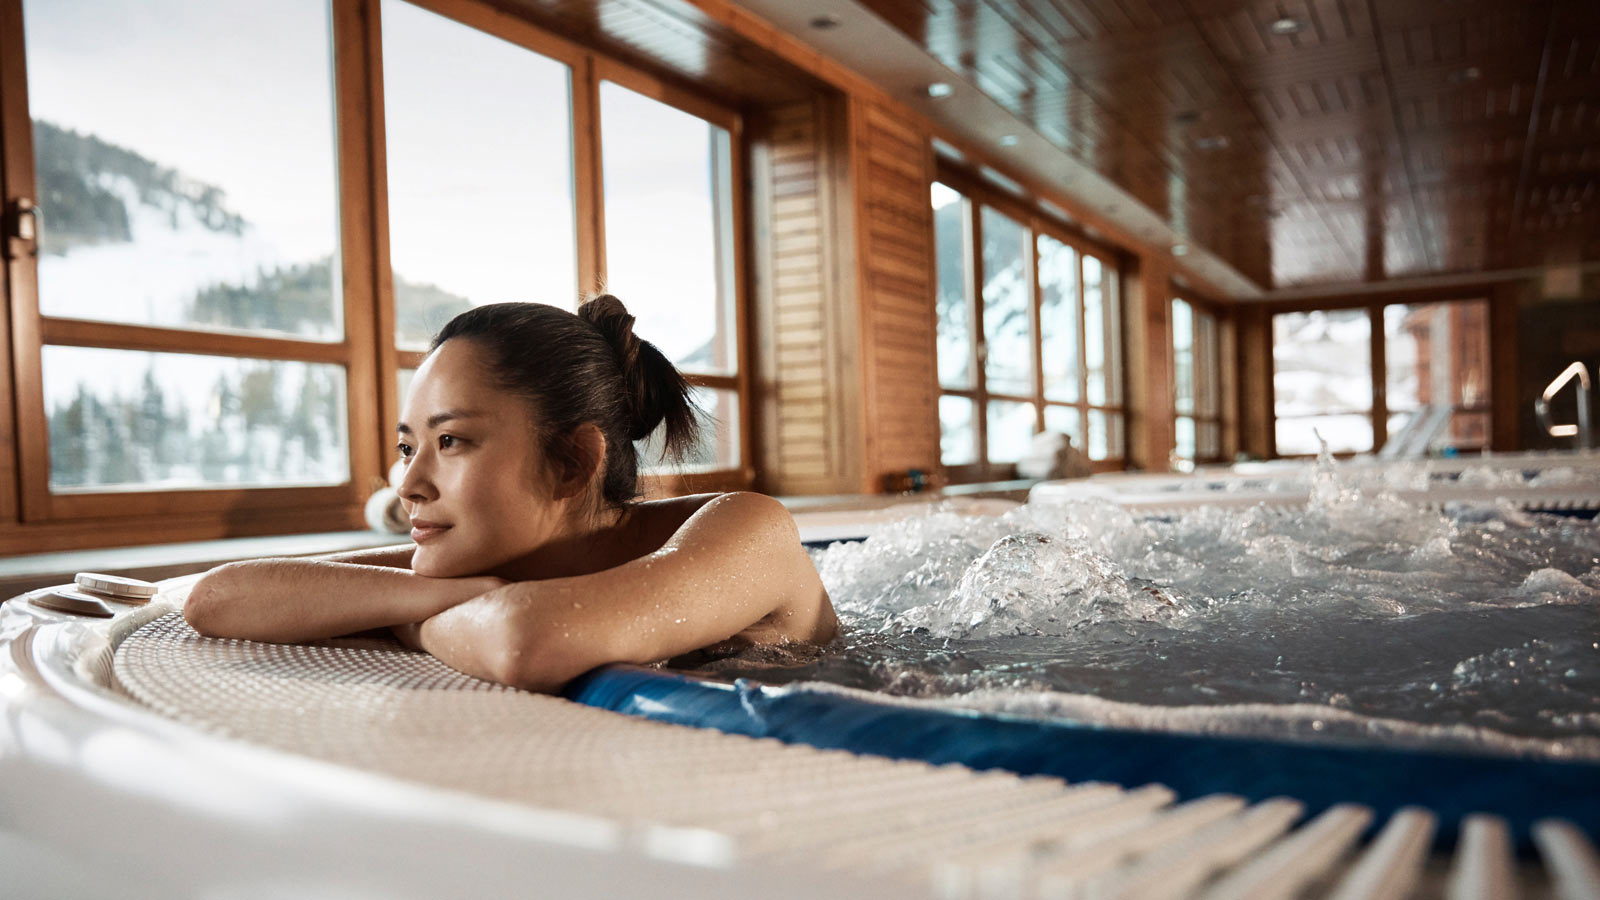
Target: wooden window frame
(32, 518)
(1206, 357)
(587, 69)
(31, 330)
(1374, 304)
(975, 194)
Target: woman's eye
(446, 441)
(405, 450)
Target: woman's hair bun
(656, 391)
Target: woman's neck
(589, 541)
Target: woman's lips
(422, 532)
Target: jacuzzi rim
(1320, 773)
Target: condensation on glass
(1436, 365)
(142, 421)
(1011, 430)
(478, 137)
(185, 162)
(1007, 297)
(954, 303)
(1101, 334)
(1067, 420)
(718, 445)
(1183, 352)
(1058, 319)
(958, 437)
(1322, 381)
(669, 227)
(1197, 392)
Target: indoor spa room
(957, 449)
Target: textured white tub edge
(105, 798)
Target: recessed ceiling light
(1286, 25)
(823, 23)
(1214, 142)
(1180, 249)
(940, 89)
(1008, 140)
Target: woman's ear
(587, 459)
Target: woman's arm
(736, 561)
(287, 600)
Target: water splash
(1358, 601)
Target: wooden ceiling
(1311, 142)
(675, 40)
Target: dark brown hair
(588, 367)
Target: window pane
(1208, 355)
(1344, 434)
(185, 160)
(1101, 335)
(131, 419)
(1322, 363)
(1105, 434)
(669, 227)
(958, 441)
(1011, 430)
(478, 138)
(1208, 440)
(955, 310)
(1437, 354)
(1007, 295)
(1183, 361)
(1185, 438)
(718, 446)
(1058, 318)
(1067, 420)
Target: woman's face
(476, 486)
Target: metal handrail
(1541, 406)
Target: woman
(533, 560)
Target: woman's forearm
(286, 600)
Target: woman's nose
(417, 486)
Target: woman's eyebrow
(439, 418)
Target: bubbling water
(1362, 613)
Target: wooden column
(892, 168)
(1504, 390)
(1147, 308)
(844, 321)
(1253, 361)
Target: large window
(1322, 381)
(1437, 376)
(210, 307)
(1197, 382)
(1411, 379)
(170, 223)
(1029, 336)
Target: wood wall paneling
(1504, 395)
(1253, 355)
(900, 391)
(1147, 339)
(805, 432)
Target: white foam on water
(1473, 626)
